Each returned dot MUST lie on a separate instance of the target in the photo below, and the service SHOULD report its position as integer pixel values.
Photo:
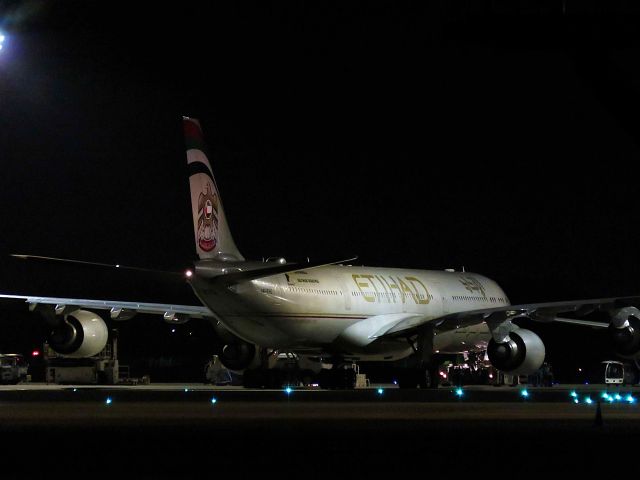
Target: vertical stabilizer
(212, 234)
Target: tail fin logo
(208, 218)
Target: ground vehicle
(13, 368)
(613, 372)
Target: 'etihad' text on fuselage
(381, 288)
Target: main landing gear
(422, 369)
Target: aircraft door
(444, 300)
(346, 293)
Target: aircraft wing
(117, 308)
(539, 312)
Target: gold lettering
(386, 291)
(370, 278)
(405, 289)
(426, 298)
(368, 296)
(393, 285)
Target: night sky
(498, 136)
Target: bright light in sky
(2, 39)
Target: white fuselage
(309, 309)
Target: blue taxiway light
(380, 391)
(108, 401)
(588, 400)
(186, 389)
(605, 396)
(618, 397)
(459, 392)
(629, 398)
(288, 390)
(575, 400)
(214, 400)
(573, 394)
(524, 393)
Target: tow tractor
(13, 368)
(613, 372)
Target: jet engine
(239, 355)
(624, 331)
(80, 334)
(522, 354)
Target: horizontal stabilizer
(253, 274)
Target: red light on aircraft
(35, 353)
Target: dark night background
(501, 136)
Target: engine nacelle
(81, 334)
(239, 355)
(522, 354)
(624, 331)
(223, 334)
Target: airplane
(331, 313)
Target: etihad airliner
(332, 313)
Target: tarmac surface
(191, 431)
